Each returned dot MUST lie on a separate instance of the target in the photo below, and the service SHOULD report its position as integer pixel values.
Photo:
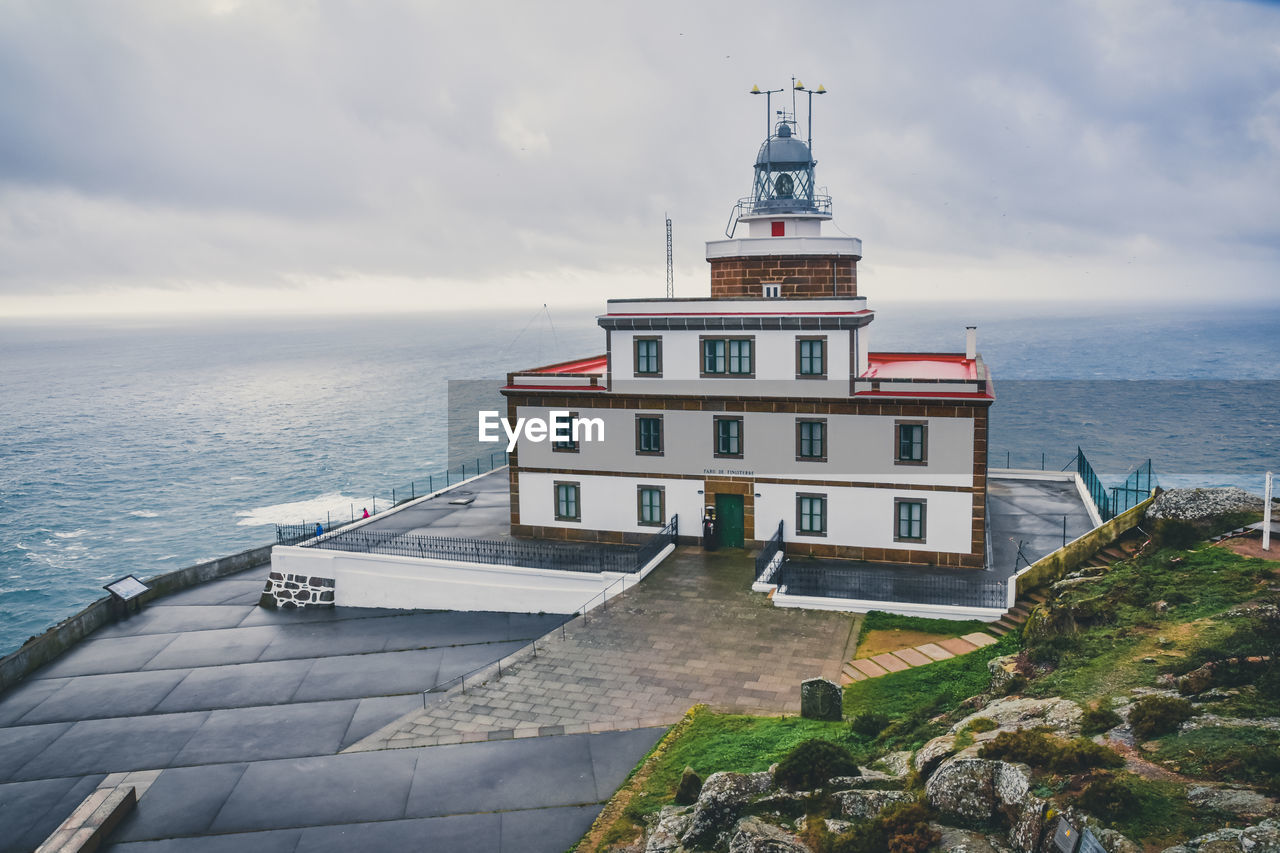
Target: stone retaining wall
(289, 591)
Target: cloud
(148, 146)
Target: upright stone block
(821, 699)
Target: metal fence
(1097, 491)
(1135, 489)
(890, 585)
(565, 557)
(764, 560)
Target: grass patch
(1156, 812)
(878, 620)
(912, 697)
(1244, 754)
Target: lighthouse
(762, 405)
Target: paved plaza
(691, 633)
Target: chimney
(971, 342)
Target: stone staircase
(1122, 549)
(860, 669)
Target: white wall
(377, 580)
(609, 503)
(866, 517)
(859, 448)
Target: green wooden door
(729, 517)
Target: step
(1014, 617)
(1009, 626)
(851, 673)
(1038, 597)
(1019, 610)
(92, 821)
(998, 629)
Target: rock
(897, 763)
(1262, 838)
(928, 756)
(1197, 504)
(964, 841)
(752, 835)
(1071, 583)
(721, 801)
(1213, 721)
(1220, 841)
(689, 788)
(861, 805)
(1002, 670)
(835, 827)
(1243, 802)
(1012, 712)
(672, 823)
(1028, 824)
(977, 789)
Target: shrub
(901, 828)
(1111, 797)
(1153, 716)
(1175, 533)
(1100, 719)
(982, 724)
(869, 723)
(1034, 747)
(812, 764)
(1016, 684)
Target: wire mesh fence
(889, 585)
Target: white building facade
(765, 404)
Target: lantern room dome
(784, 151)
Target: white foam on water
(72, 534)
(144, 513)
(331, 504)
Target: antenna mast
(671, 290)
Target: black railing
(765, 569)
(565, 557)
(889, 585)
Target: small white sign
(127, 588)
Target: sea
(141, 446)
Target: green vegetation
(1154, 811)
(903, 828)
(1244, 754)
(1100, 719)
(812, 764)
(1037, 749)
(1153, 716)
(878, 620)
(913, 697)
(869, 723)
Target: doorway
(729, 517)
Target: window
(727, 357)
(649, 434)
(778, 229)
(811, 440)
(567, 507)
(648, 356)
(811, 515)
(910, 520)
(651, 505)
(566, 426)
(912, 444)
(811, 358)
(771, 291)
(728, 437)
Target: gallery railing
(889, 585)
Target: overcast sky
(385, 155)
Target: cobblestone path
(692, 632)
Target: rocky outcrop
(978, 790)
(1242, 802)
(966, 841)
(1062, 716)
(1260, 838)
(664, 835)
(1199, 504)
(752, 835)
(721, 802)
(931, 754)
(861, 805)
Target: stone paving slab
(935, 651)
(979, 639)
(645, 660)
(957, 646)
(891, 663)
(912, 657)
(868, 667)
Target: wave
(144, 513)
(330, 504)
(71, 534)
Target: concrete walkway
(692, 632)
